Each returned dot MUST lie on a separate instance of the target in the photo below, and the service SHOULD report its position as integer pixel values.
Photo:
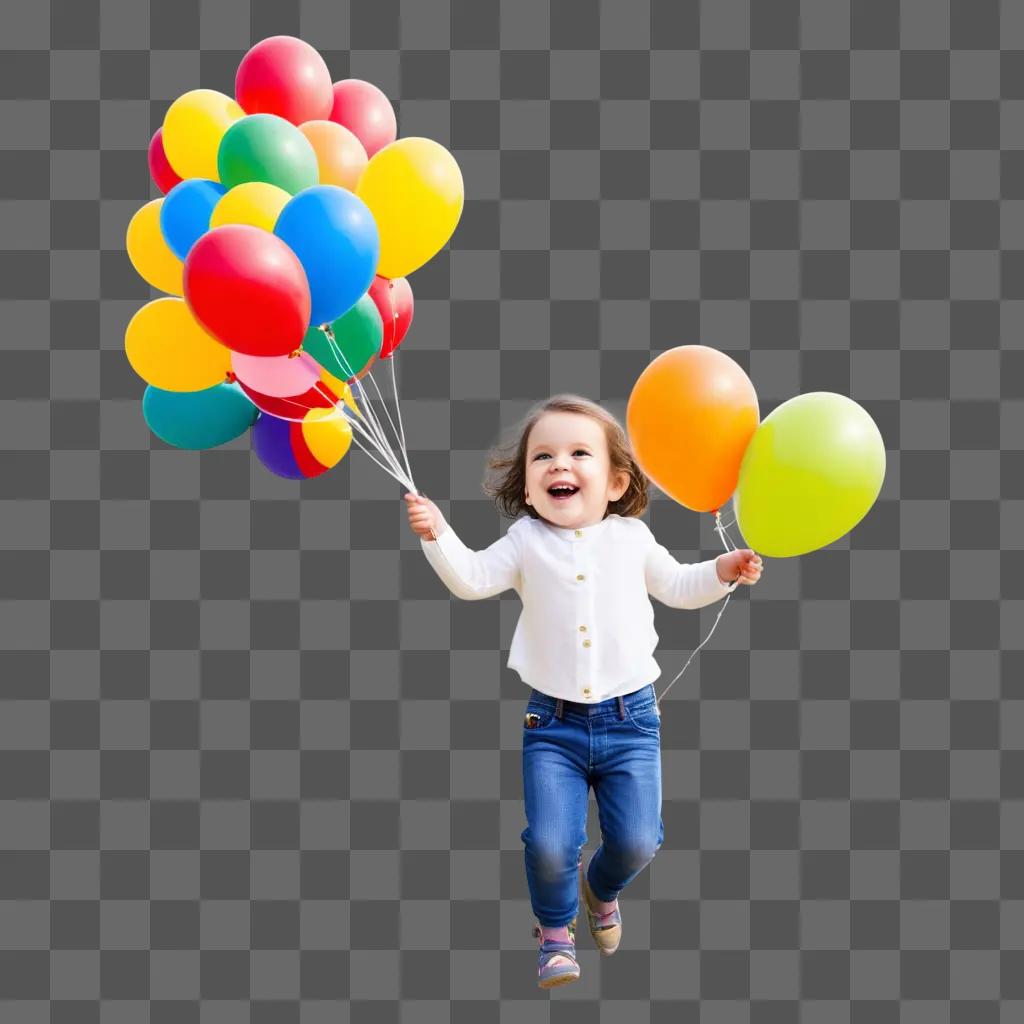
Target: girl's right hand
(424, 516)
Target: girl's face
(569, 479)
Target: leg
(555, 793)
(627, 786)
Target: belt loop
(558, 708)
(622, 708)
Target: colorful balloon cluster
(799, 480)
(290, 218)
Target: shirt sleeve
(682, 585)
(473, 575)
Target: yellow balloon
(168, 349)
(150, 255)
(341, 389)
(193, 127)
(253, 202)
(414, 189)
(327, 434)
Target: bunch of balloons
(799, 480)
(291, 215)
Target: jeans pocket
(645, 720)
(538, 716)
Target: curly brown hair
(506, 464)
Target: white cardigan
(586, 632)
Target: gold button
(583, 629)
(586, 691)
(586, 643)
(579, 533)
(580, 577)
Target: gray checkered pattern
(257, 766)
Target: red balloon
(393, 298)
(248, 289)
(165, 176)
(294, 408)
(285, 76)
(366, 112)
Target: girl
(583, 564)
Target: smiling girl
(585, 566)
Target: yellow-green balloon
(811, 472)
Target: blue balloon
(186, 211)
(335, 237)
(198, 419)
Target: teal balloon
(198, 419)
(265, 147)
(358, 336)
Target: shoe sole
(557, 980)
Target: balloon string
(389, 469)
(373, 380)
(398, 408)
(726, 540)
(383, 438)
(371, 421)
(394, 429)
(381, 441)
(365, 433)
(367, 405)
(382, 466)
(339, 411)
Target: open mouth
(562, 492)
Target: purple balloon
(271, 440)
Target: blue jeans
(614, 746)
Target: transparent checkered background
(257, 766)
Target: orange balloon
(690, 417)
(339, 154)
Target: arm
(682, 585)
(473, 575)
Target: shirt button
(586, 691)
(583, 629)
(579, 533)
(581, 577)
(586, 643)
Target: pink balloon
(366, 112)
(278, 376)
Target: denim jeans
(614, 746)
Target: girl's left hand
(743, 565)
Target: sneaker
(556, 961)
(606, 929)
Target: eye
(540, 456)
(581, 451)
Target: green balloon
(265, 147)
(811, 472)
(198, 419)
(358, 335)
